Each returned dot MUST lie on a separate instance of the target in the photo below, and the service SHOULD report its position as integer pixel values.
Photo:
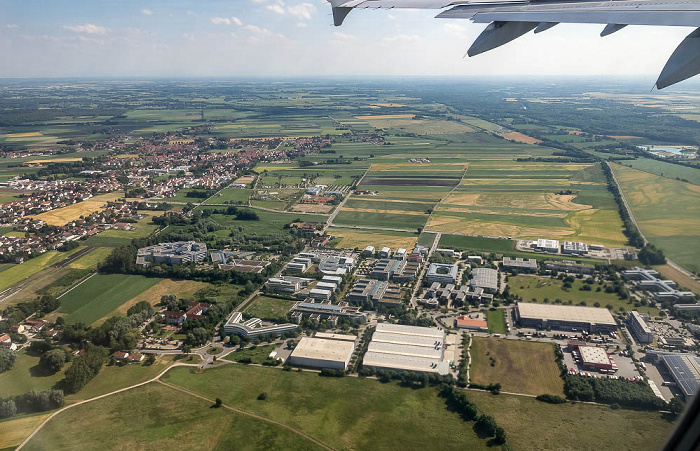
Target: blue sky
(127, 38)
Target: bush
(262, 396)
(330, 372)
(551, 399)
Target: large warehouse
(685, 369)
(565, 317)
(407, 348)
(331, 351)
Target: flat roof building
(569, 266)
(319, 352)
(254, 327)
(565, 317)
(464, 322)
(485, 278)
(596, 358)
(648, 280)
(571, 247)
(520, 263)
(685, 370)
(639, 328)
(176, 253)
(548, 245)
(443, 273)
(407, 348)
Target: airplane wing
(510, 19)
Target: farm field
(667, 211)
(683, 281)
(344, 413)
(14, 430)
(519, 366)
(665, 169)
(352, 238)
(531, 200)
(101, 294)
(270, 308)
(269, 223)
(496, 321)
(474, 243)
(540, 288)
(380, 219)
(152, 295)
(27, 374)
(235, 196)
(572, 425)
(161, 417)
(61, 216)
(91, 260)
(18, 273)
(114, 238)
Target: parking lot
(625, 365)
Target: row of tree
(34, 401)
(484, 425)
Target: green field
(159, 417)
(534, 425)
(269, 223)
(100, 295)
(18, 273)
(665, 169)
(232, 196)
(474, 243)
(519, 366)
(256, 354)
(667, 211)
(537, 289)
(345, 413)
(26, 375)
(380, 220)
(496, 321)
(270, 308)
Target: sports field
(101, 294)
(519, 366)
(534, 425)
(667, 211)
(353, 238)
(61, 216)
(537, 289)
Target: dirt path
(252, 415)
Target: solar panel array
(686, 371)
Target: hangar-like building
(565, 317)
(327, 351)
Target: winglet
(339, 14)
(683, 63)
(499, 33)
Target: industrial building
(369, 250)
(407, 348)
(594, 358)
(639, 328)
(299, 264)
(573, 248)
(529, 265)
(551, 246)
(569, 267)
(320, 294)
(685, 370)
(385, 268)
(385, 252)
(326, 310)
(254, 327)
(443, 273)
(336, 265)
(326, 351)
(375, 292)
(176, 253)
(565, 317)
(485, 278)
(286, 284)
(464, 322)
(648, 280)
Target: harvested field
(350, 239)
(519, 366)
(408, 181)
(24, 135)
(530, 201)
(56, 160)
(386, 116)
(14, 431)
(520, 137)
(62, 216)
(246, 179)
(312, 208)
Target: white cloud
(302, 11)
(226, 21)
(147, 12)
(302, 25)
(276, 8)
(402, 39)
(10, 25)
(455, 31)
(87, 28)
